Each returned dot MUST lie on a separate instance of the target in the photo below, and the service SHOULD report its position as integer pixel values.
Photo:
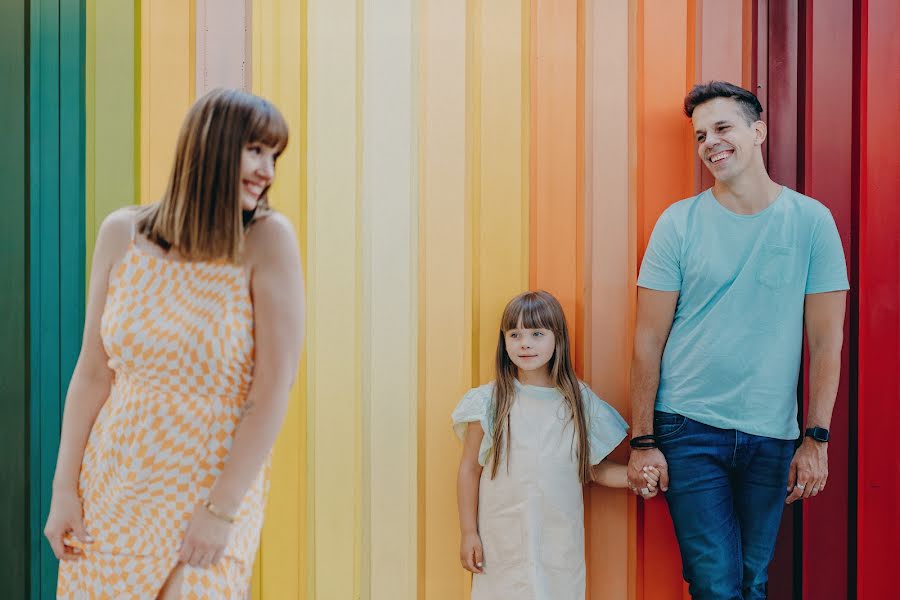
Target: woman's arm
(278, 308)
(88, 388)
(471, 554)
(91, 379)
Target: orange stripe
(609, 268)
(664, 175)
(556, 252)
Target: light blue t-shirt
(732, 359)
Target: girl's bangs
(533, 312)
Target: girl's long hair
(537, 310)
(200, 213)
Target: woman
(192, 337)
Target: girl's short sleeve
(475, 407)
(606, 427)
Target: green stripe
(111, 104)
(14, 555)
(57, 232)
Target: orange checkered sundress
(179, 336)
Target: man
(728, 281)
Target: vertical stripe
(500, 247)
(389, 299)
(111, 107)
(777, 38)
(879, 284)
(14, 327)
(719, 56)
(664, 175)
(610, 270)
(56, 234)
(224, 37)
(334, 295)
(167, 87)
(556, 91)
(827, 177)
(445, 320)
(279, 75)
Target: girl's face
(257, 173)
(530, 349)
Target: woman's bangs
(268, 127)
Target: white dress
(531, 515)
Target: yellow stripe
(444, 292)
(279, 75)
(500, 194)
(167, 87)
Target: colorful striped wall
(445, 156)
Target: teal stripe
(57, 247)
(14, 556)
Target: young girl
(542, 434)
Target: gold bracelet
(211, 509)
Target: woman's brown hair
(200, 213)
(537, 310)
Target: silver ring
(645, 491)
(800, 486)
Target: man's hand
(809, 471)
(639, 459)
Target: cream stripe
(334, 296)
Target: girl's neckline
(537, 389)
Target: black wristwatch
(820, 434)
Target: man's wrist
(819, 435)
(643, 442)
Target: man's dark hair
(704, 92)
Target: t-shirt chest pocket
(775, 266)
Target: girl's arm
(88, 390)
(612, 474)
(278, 306)
(471, 554)
(278, 309)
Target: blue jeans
(726, 497)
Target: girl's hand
(471, 554)
(65, 519)
(205, 539)
(650, 489)
(651, 476)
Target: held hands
(65, 528)
(205, 539)
(809, 471)
(648, 489)
(471, 553)
(648, 473)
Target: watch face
(818, 433)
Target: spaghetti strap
(133, 228)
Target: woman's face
(257, 173)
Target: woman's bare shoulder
(270, 234)
(115, 234)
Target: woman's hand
(66, 518)
(205, 539)
(471, 553)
